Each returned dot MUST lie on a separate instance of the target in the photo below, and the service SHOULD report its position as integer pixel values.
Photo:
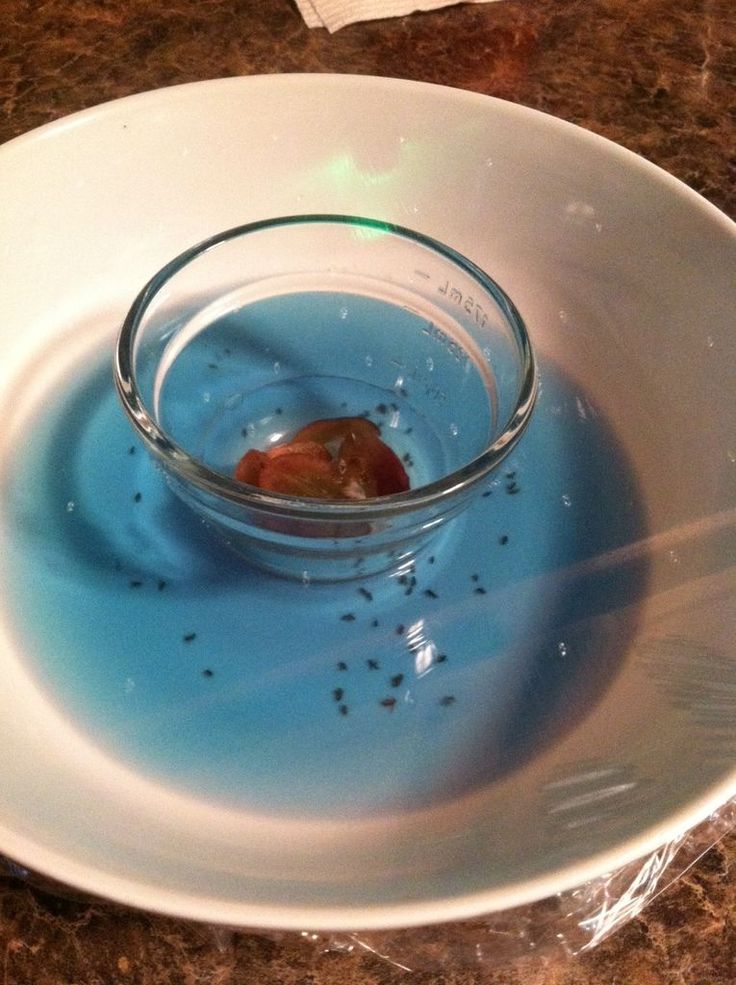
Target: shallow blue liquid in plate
(234, 686)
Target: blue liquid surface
(237, 687)
(267, 368)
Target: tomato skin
(332, 458)
(249, 467)
(336, 429)
(301, 475)
(392, 476)
(380, 468)
(312, 448)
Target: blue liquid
(223, 682)
(259, 373)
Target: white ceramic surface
(626, 280)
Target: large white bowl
(627, 281)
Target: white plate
(626, 281)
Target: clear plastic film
(559, 927)
(565, 925)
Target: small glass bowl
(256, 332)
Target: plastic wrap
(562, 926)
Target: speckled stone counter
(659, 77)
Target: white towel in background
(334, 14)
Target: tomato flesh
(249, 467)
(332, 458)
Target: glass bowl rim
(190, 470)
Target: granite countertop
(659, 77)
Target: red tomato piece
(373, 464)
(336, 458)
(313, 448)
(335, 429)
(355, 478)
(249, 467)
(301, 475)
